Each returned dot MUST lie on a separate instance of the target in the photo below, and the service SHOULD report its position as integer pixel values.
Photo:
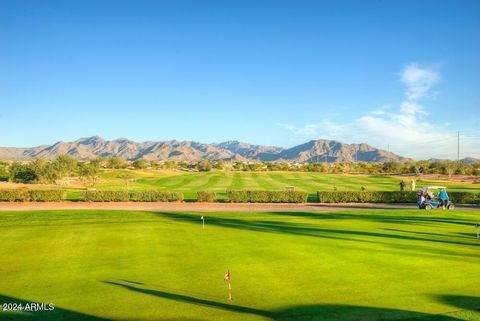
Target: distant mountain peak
(312, 151)
(90, 140)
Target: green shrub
(464, 197)
(204, 166)
(149, 196)
(246, 196)
(124, 196)
(106, 196)
(367, 197)
(52, 195)
(176, 197)
(14, 195)
(206, 196)
(155, 196)
(25, 195)
(389, 197)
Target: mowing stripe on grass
(237, 181)
(211, 183)
(185, 180)
(263, 180)
(201, 179)
(290, 181)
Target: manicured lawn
(190, 183)
(337, 266)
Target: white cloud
(412, 108)
(382, 110)
(418, 81)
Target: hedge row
(389, 197)
(464, 197)
(206, 196)
(267, 196)
(367, 197)
(242, 196)
(155, 196)
(53, 195)
(124, 196)
(23, 195)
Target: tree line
(45, 171)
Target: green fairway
(335, 266)
(190, 183)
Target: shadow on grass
(419, 245)
(312, 198)
(463, 302)
(458, 235)
(306, 229)
(319, 312)
(382, 218)
(193, 300)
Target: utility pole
(458, 146)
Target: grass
(336, 266)
(190, 183)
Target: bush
(389, 197)
(4, 175)
(267, 196)
(115, 162)
(155, 196)
(124, 196)
(464, 197)
(176, 197)
(204, 166)
(149, 196)
(24, 195)
(367, 197)
(22, 173)
(106, 196)
(53, 195)
(14, 195)
(141, 163)
(206, 196)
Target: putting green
(336, 266)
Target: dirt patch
(9, 185)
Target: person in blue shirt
(443, 197)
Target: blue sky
(397, 74)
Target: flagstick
(229, 291)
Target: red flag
(227, 277)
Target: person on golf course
(443, 197)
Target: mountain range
(313, 151)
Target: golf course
(189, 183)
(337, 266)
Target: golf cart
(428, 200)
